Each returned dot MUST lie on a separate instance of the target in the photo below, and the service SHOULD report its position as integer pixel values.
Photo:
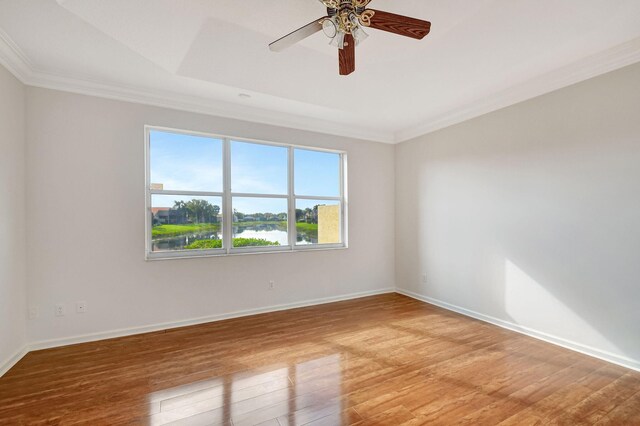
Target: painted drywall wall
(530, 216)
(12, 218)
(86, 233)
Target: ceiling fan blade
(347, 55)
(296, 36)
(398, 24)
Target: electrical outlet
(59, 310)
(424, 278)
(81, 307)
(33, 312)
(272, 285)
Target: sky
(194, 163)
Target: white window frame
(226, 196)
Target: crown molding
(592, 66)
(202, 105)
(12, 58)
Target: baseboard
(559, 341)
(47, 344)
(587, 350)
(13, 360)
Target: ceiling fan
(344, 26)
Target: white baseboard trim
(559, 341)
(92, 337)
(13, 360)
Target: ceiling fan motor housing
(346, 5)
(335, 7)
(357, 6)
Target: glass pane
(318, 222)
(259, 169)
(186, 222)
(260, 222)
(185, 162)
(316, 173)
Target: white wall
(531, 215)
(86, 216)
(12, 218)
(527, 216)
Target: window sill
(150, 257)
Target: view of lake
(192, 208)
(275, 232)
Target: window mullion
(319, 197)
(343, 199)
(251, 195)
(148, 221)
(292, 203)
(227, 217)
(187, 193)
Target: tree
(311, 215)
(299, 215)
(180, 212)
(197, 211)
(308, 215)
(216, 212)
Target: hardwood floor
(383, 360)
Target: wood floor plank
(597, 405)
(387, 360)
(627, 413)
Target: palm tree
(181, 212)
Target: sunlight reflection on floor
(282, 393)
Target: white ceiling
(201, 54)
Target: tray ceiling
(200, 55)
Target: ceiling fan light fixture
(330, 28)
(338, 40)
(354, 20)
(359, 34)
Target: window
(211, 195)
(317, 189)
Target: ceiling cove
(291, 107)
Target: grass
(177, 230)
(304, 226)
(237, 242)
